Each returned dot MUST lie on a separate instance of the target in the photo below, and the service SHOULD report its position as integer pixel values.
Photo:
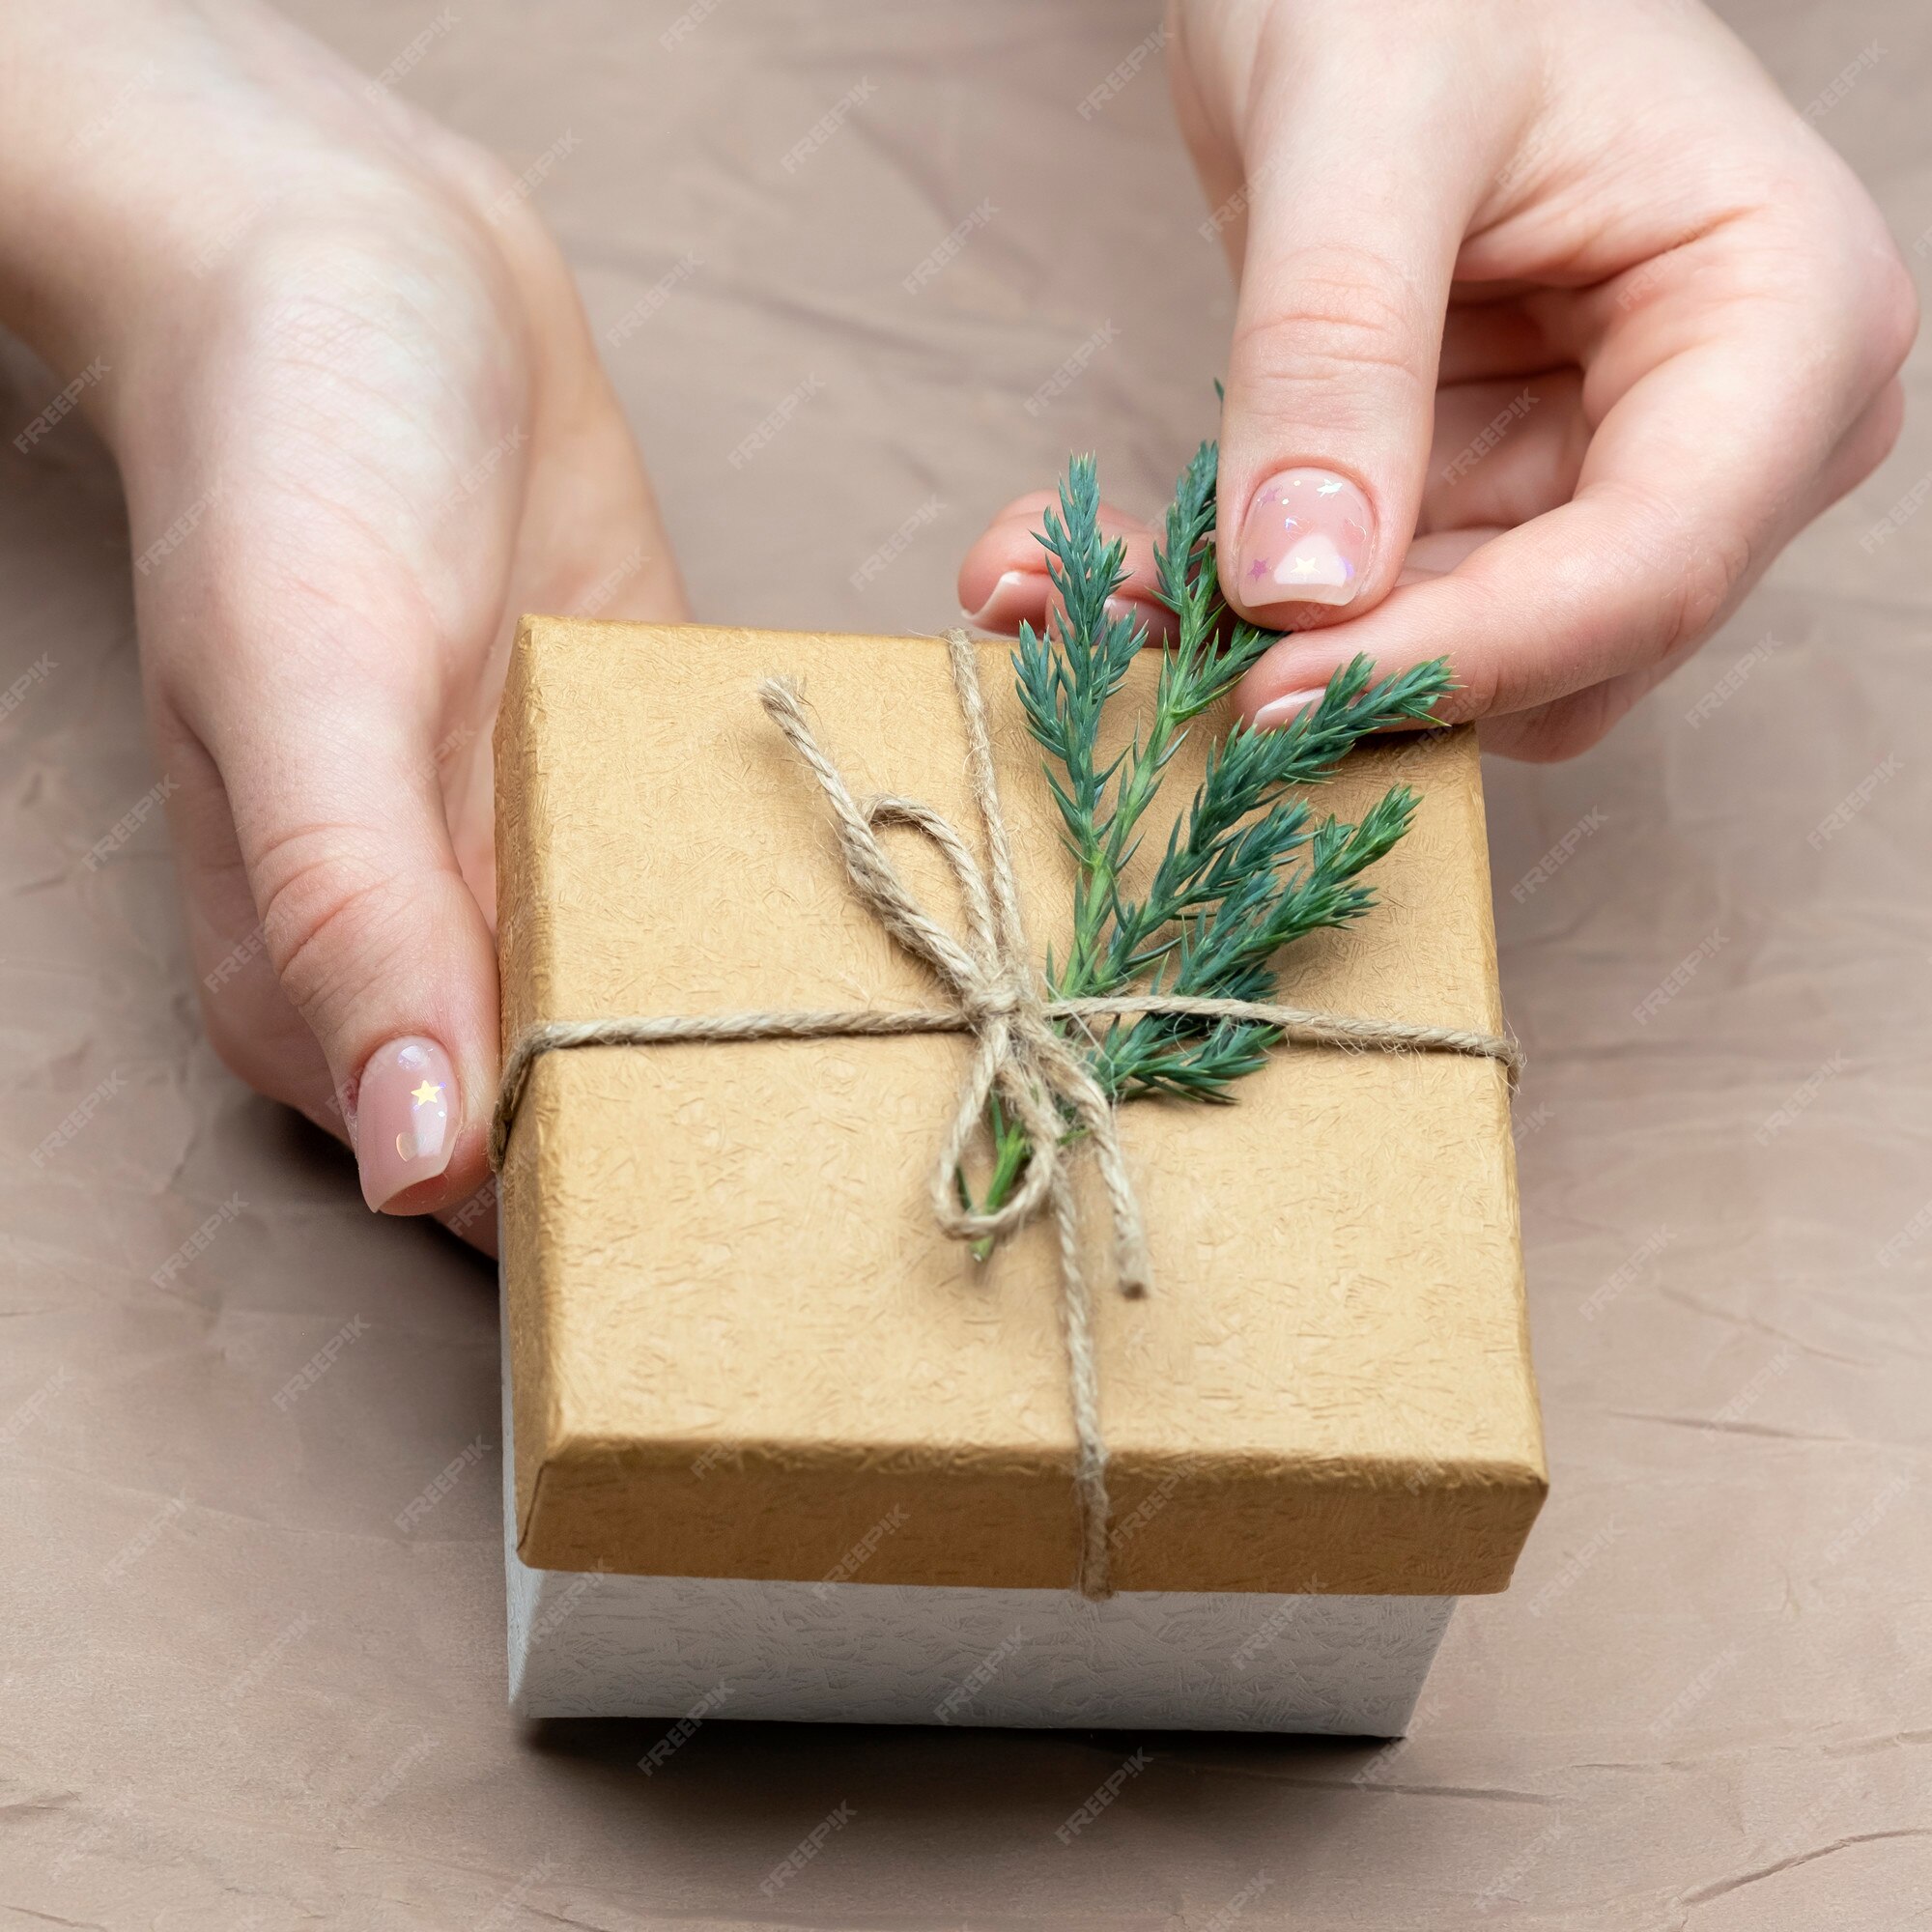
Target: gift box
(777, 1446)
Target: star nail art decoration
(429, 1090)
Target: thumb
(1332, 377)
(379, 941)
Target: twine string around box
(1020, 1054)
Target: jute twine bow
(1020, 1054)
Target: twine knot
(1040, 1079)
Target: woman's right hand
(1446, 214)
(362, 425)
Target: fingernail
(1306, 541)
(405, 1116)
(1018, 594)
(1279, 710)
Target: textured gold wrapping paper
(741, 1348)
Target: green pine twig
(1248, 869)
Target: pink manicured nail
(1279, 710)
(1018, 594)
(1306, 541)
(405, 1111)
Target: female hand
(1555, 322)
(362, 425)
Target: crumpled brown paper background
(235, 1693)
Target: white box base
(592, 1644)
